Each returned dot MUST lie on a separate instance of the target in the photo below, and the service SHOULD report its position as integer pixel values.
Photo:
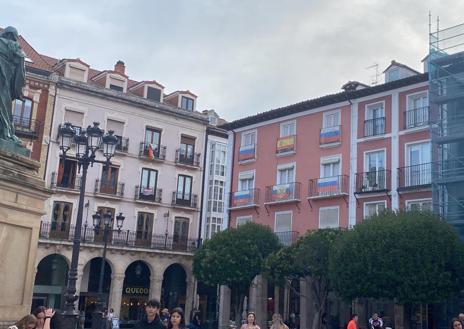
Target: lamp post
(87, 143)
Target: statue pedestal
(14, 148)
(22, 197)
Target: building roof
(323, 101)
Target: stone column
(305, 301)
(286, 297)
(277, 300)
(224, 307)
(156, 282)
(253, 293)
(399, 316)
(258, 300)
(190, 296)
(117, 283)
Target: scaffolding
(446, 98)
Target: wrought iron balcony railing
(415, 176)
(148, 194)
(328, 186)
(287, 238)
(416, 117)
(244, 199)
(26, 127)
(184, 200)
(152, 151)
(188, 159)
(66, 182)
(283, 193)
(116, 189)
(374, 127)
(373, 181)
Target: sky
(241, 57)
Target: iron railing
(283, 193)
(373, 181)
(26, 127)
(416, 117)
(328, 186)
(108, 188)
(69, 184)
(157, 152)
(184, 200)
(373, 127)
(287, 238)
(123, 238)
(415, 176)
(245, 198)
(148, 194)
(123, 144)
(186, 159)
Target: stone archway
(174, 287)
(50, 281)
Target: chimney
(120, 67)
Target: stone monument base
(14, 148)
(22, 197)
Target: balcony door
(184, 190)
(329, 182)
(22, 114)
(376, 116)
(61, 220)
(153, 138)
(418, 164)
(99, 237)
(144, 229)
(148, 184)
(418, 113)
(180, 235)
(374, 166)
(286, 180)
(109, 180)
(187, 149)
(67, 170)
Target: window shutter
(187, 140)
(75, 118)
(283, 222)
(116, 126)
(328, 218)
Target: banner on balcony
(328, 186)
(286, 144)
(147, 191)
(282, 192)
(242, 198)
(151, 151)
(330, 135)
(246, 152)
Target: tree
(411, 257)
(308, 258)
(234, 258)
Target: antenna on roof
(375, 76)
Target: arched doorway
(135, 292)
(89, 287)
(174, 287)
(50, 281)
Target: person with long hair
(251, 322)
(277, 322)
(455, 323)
(39, 313)
(26, 322)
(177, 320)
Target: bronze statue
(12, 80)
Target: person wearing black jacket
(152, 319)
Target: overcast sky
(240, 57)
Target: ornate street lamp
(86, 145)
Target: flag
(328, 186)
(330, 135)
(151, 155)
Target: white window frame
(283, 167)
(243, 134)
(326, 114)
(368, 108)
(384, 150)
(283, 124)
(285, 212)
(407, 160)
(330, 208)
(417, 94)
(373, 202)
(421, 201)
(393, 70)
(247, 219)
(246, 173)
(329, 160)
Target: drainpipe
(231, 176)
(200, 226)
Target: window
(67, 171)
(186, 103)
(216, 196)
(148, 184)
(247, 150)
(212, 120)
(109, 180)
(75, 118)
(417, 113)
(375, 120)
(374, 166)
(331, 119)
(180, 236)
(61, 219)
(419, 205)
(330, 167)
(22, 113)
(100, 236)
(153, 140)
(144, 228)
(117, 127)
(283, 227)
(393, 74)
(248, 138)
(116, 84)
(286, 174)
(218, 159)
(76, 73)
(246, 181)
(154, 94)
(329, 217)
(243, 220)
(287, 129)
(187, 149)
(184, 189)
(374, 208)
(213, 225)
(418, 157)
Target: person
(277, 322)
(151, 320)
(109, 318)
(461, 318)
(177, 320)
(195, 322)
(26, 322)
(39, 313)
(375, 322)
(456, 323)
(251, 322)
(165, 317)
(353, 324)
(292, 321)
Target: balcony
(184, 201)
(373, 181)
(374, 127)
(123, 144)
(328, 187)
(152, 151)
(148, 194)
(283, 193)
(416, 117)
(415, 177)
(330, 136)
(244, 199)
(66, 183)
(287, 238)
(124, 238)
(247, 153)
(286, 145)
(190, 160)
(116, 189)
(26, 128)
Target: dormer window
(393, 74)
(154, 94)
(116, 82)
(212, 120)
(76, 70)
(187, 103)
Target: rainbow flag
(242, 198)
(247, 152)
(282, 192)
(286, 144)
(330, 135)
(328, 186)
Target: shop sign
(136, 291)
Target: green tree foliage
(308, 258)
(234, 258)
(411, 257)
